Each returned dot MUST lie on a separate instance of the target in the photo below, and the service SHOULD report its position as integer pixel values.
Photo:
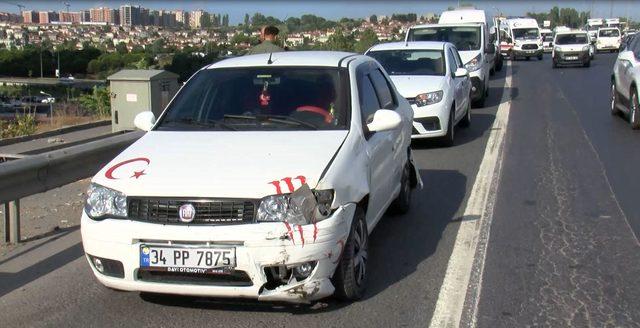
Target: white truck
(592, 26)
(526, 37)
(467, 30)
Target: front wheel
(587, 64)
(634, 115)
(449, 138)
(466, 120)
(539, 57)
(351, 274)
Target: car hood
(410, 86)
(466, 56)
(223, 164)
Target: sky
(337, 9)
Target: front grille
(233, 278)
(208, 211)
(529, 46)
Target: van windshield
(564, 39)
(608, 33)
(526, 33)
(261, 98)
(411, 62)
(463, 37)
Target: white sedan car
(262, 179)
(625, 81)
(433, 78)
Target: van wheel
(587, 64)
(634, 114)
(540, 57)
(500, 63)
(528, 58)
(350, 277)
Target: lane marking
(460, 288)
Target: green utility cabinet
(134, 91)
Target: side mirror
(461, 72)
(144, 121)
(490, 49)
(384, 120)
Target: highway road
(555, 243)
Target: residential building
(130, 15)
(30, 17)
(70, 16)
(182, 17)
(46, 17)
(195, 18)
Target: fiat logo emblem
(186, 213)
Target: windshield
(594, 27)
(463, 37)
(609, 33)
(563, 39)
(526, 33)
(280, 98)
(411, 62)
(547, 36)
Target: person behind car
(268, 36)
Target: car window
(458, 59)
(463, 37)
(608, 33)
(381, 86)
(368, 98)
(566, 39)
(245, 98)
(451, 61)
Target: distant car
(571, 48)
(547, 39)
(67, 80)
(625, 82)
(608, 39)
(261, 179)
(48, 100)
(432, 77)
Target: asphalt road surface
(561, 249)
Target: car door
(623, 69)
(457, 83)
(380, 147)
(465, 100)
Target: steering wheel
(328, 118)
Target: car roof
(421, 45)
(287, 58)
(572, 32)
(441, 25)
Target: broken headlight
(104, 202)
(303, 206)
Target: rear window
(609, 33)
(463, 37)
(563, 39)
(410, 62)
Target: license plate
(187, 259)
(572, 57)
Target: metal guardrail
(38, 173)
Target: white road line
(470, 245)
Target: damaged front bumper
(265, 255)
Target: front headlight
(304, 206)
(429, 98)
(557, 49)
(103, 202)
(474, 64)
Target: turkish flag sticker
(130, 169)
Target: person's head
(269, 33)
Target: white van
(547, 39)
(592, 26)
(527, 41)
(609, 39)
(467, 30)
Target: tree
(206, 20)
(339, 42)
(247, 21)
(373, 19)
(367, 40)
(98, 102)
(121, 48)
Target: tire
(350, 276)
(587, 64)
(540, 57)
(614, 99)
(466, 120)
(500, 63)
(449, 138)
(528, 58)
(554, 65)
(402, 203)
(634, 110)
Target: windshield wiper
(274, 118)
(206, 124)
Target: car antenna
(269, 61)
